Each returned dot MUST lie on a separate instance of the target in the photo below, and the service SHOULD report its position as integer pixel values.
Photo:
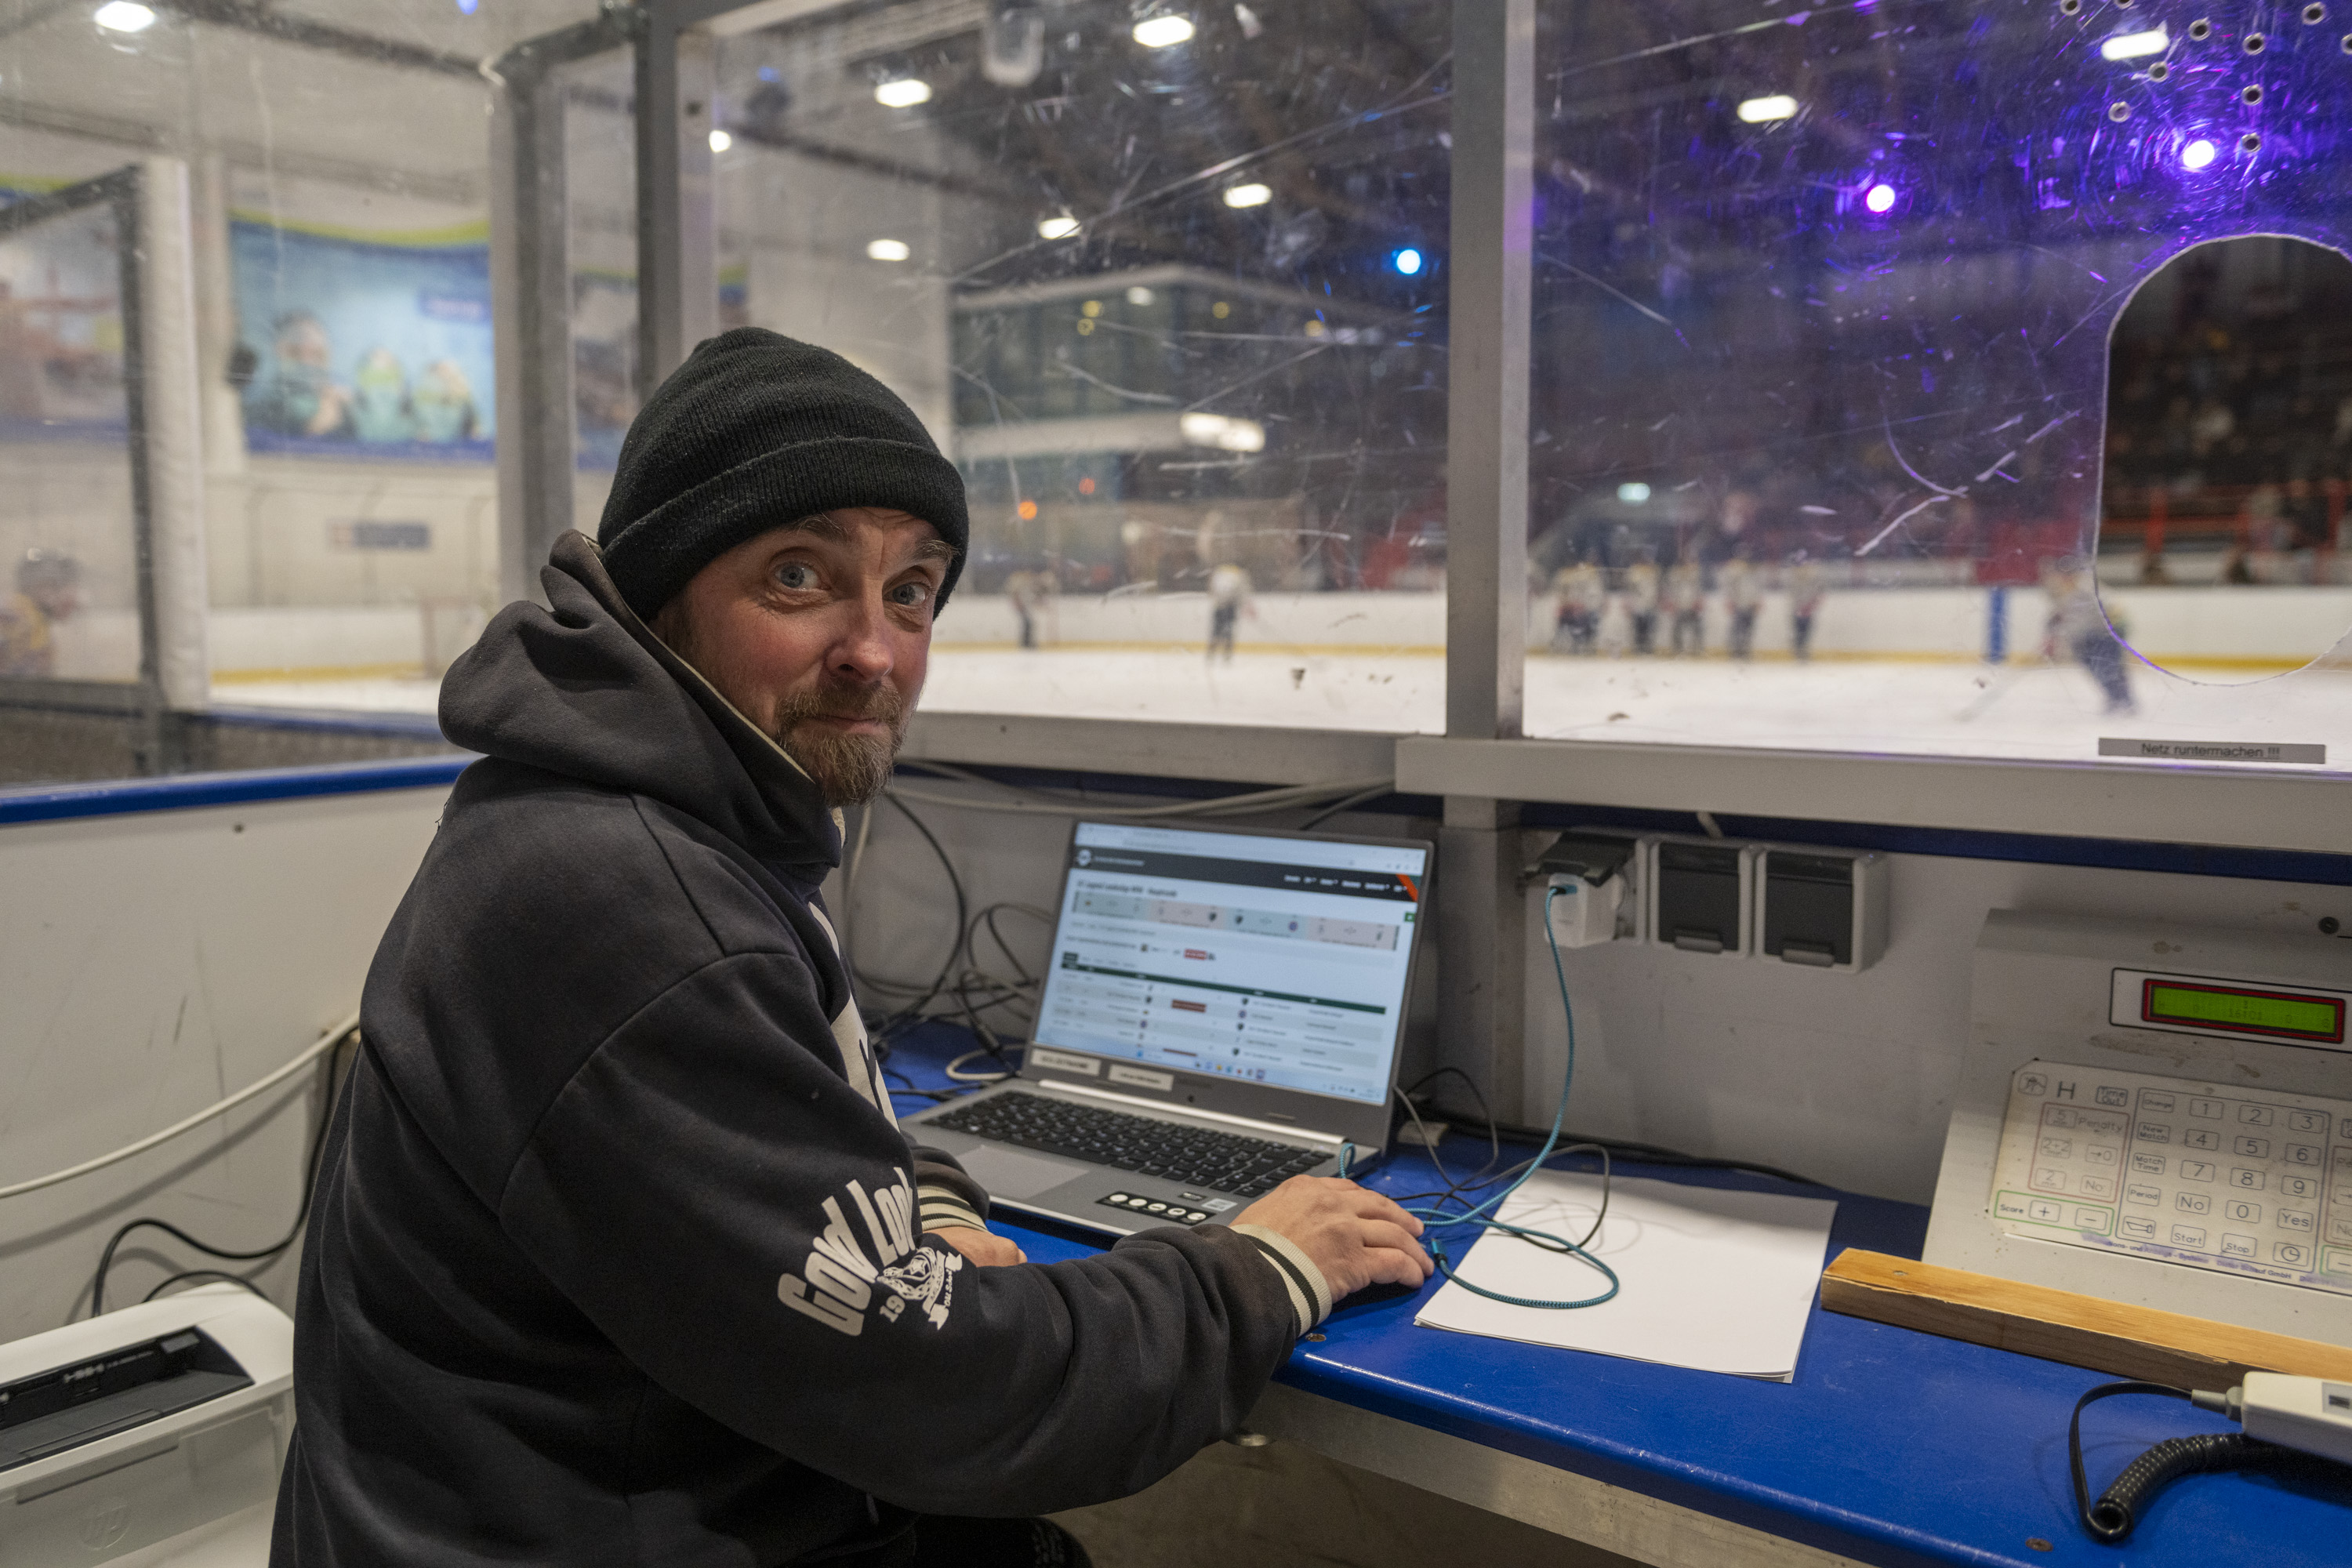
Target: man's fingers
(1390, 1210)
(1389, 1266)
(984, 1247)
(1373, 1234)
(1366, 1205)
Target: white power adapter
(1583, 914)
(1589, 888)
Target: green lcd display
(2240, 1011)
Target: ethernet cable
(1435, 1219)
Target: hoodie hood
(583, 690)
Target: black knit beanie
(753, 432)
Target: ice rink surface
(2037, 711)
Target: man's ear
(669, 623)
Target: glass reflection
(1822, 396)
(2229, 436)
(1169, 289)
(69, 601)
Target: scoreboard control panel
(2235, 1178)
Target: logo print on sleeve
(838, 1279)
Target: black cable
(2112, 1519)
(1485, 1113)
(990, 914)
(1427, 1143)
(1645, 1154)
(205, 1274)
(293, 1232)
(1337, 806)
(897, 1020)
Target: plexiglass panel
(1852, 325)
(336, 157)
(1169, 287)
(68, 534)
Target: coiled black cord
(2111, 1518)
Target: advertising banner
(364, 346)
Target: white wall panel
(1844, 1077)
(150, 963)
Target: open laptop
(1223, 1010)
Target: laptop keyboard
(1175, 1152)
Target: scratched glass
(336, 157)
(1890, 394)
(1169, 285)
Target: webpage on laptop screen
(1281, 961)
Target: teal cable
(1434, 1219)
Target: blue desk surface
(1891, 1446)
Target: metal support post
(678, 231)
(530, 293)
(1482, 918)
(171, 383)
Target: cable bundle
(1437, 1216)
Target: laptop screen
(1279, 961)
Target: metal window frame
(141, 699)
(530, 287)
(1481, 765)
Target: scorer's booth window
(1915, 377)
(1964, 379)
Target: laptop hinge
(1194, 1112)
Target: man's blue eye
(912, 592)
(795, 575)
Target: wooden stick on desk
(2059, 1325)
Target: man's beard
(849, 769)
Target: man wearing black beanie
(618, 1256)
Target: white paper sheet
(1712, 1279)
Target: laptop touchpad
(1015, 1174)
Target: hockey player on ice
(1743, 596)
(1685, 599)
(1642, 604)
(1584, 594)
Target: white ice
(2036, 711)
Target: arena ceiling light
(1633, 493)
(1251, 195)
(1763, 110)
(1162, 32)
(124, 16)
(888, 250)
(1060, 228)
(2136, 46)
(1222, 431)
(1407, 261)
(904, 93)
(720, 141)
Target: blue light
(468, 7)
(1407, 261)
(1880, 199)
(2197, 155)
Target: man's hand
(984, 1247)
(1356, 1238)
